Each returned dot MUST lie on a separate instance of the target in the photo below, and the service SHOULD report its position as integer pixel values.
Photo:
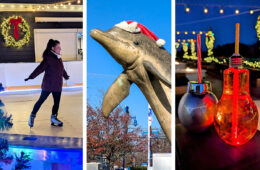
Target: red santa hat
(134, 27)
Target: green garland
(10, 40)
(192, 48)
(176, 47)
(257, 27)
(210, 39)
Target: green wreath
(10, 40)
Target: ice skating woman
(54, 72)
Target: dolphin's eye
(136, 42)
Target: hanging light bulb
(201, 32)
(186, 33)
(251, 12)
(178, 32)
(193, 32)
(221, 11)
(237, 11)
(179, 40)
(78, 1)
(206, 10)
(187, 9)
(69, 3)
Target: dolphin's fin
(116, 93)
(166, 79)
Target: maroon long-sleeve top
(54, 72)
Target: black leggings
(43, 97)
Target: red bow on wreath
(15, 23)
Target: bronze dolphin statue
(145, 64)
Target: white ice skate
(31, 121)
(55, 121)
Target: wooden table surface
(206, 151)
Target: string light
(189, 32)
(69, 3)
(237, 11)
(251, 12)
(221, 11)
(78, 1)
(206, 10)
(187, 9)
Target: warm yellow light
(251, 11)
(179, 40)
(186, 33)
(189, 69)
(201, 32)
(221, 11)
(55, 6)
(69, 3)
(178, 32)
(48, 7)
(187, 9)
(237, 11)
(61, 4)
(206, 10)
(78, 1)
(219, 117)
(193, 32)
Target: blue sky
(224, 28)
(102, 69)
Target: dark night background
(223, 25)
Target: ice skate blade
(59, 125)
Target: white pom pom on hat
(134, 27)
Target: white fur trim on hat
(129, 27)
(160, 42)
